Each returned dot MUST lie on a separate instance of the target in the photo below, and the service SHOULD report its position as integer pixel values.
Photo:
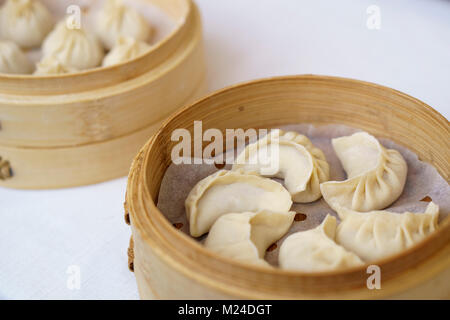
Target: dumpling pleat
(378, 234)
(375, 188)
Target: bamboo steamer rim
(29, 82)
(85, 158)
(150, 223)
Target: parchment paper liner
(423, 181)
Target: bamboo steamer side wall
(49, 168)
(269, 103)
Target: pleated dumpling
(116, 19)
(74, 48)
(125, 49)
(378, 234)
(13, 60)
(375, 175)
(26, 22)
(246, 236)
(52, 66)
(290, 156)
(315, 250)
(232, 192)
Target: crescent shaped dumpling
(378, 234)
(75, 48)
(13, 60)
(315, 250)
(125, 49)
(26, 22)
(232, 192)
(246, 236)
(115, 20)
(376, 176)
(290, 156)
(52, 66)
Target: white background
(42, 233)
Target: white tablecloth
(51, 239)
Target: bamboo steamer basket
(168, 264)
(82, 128)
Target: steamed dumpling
(116, 19)
(376, 176)
(246, 236)
(52, 66)
(26, 22)
(378, 234)
(125, 49)
(290, 156)
(315, 250)
(13, 60)
(75, 48)
(232, 192)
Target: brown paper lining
(423, 183)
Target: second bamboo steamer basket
(168, 264)
(83, 128)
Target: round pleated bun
(13, 60)
(73, 47)
(26, 22)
